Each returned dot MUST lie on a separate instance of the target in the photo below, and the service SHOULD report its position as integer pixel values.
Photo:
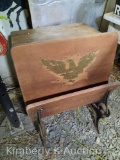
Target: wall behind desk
(56, 12)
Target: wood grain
(69, 101)
(51, 33)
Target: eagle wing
(54, 66)
(85, 61)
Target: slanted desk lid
(50, 67)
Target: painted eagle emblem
(69, 70)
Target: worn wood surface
(69, 101)
(51, 33)
(51, 67)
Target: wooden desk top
(51, 33)
(55, 60)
